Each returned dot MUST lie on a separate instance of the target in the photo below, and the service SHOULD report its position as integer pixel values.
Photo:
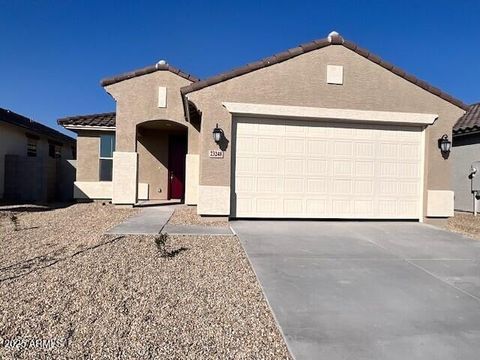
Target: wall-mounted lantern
(444, 144)
(217, 134)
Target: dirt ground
(69, 292)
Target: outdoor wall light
(444, 144)
(217, 134)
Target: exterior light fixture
(217, 134)
(444, 144)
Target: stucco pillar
(192, 178)
(125, 170)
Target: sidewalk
(153, 220)
(150, 220)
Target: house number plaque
(215, 154)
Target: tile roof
(147, 70)
(333, 39)
(103, 119)
(470, 121)
(32, 126)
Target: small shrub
(14, 219)
(162, 242)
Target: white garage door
(319, 169)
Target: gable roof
(160, 66)
(32, 126)
(101, 119)
(470, 121)
(333, 39)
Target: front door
(177, 150)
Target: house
(35, 160)
(323, 130)
(466, 158)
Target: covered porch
(161, 147)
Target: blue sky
(54, 53)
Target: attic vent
(335, 74)
(162, 97)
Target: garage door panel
(269, 145)
(365, 149)
(343, 168)
(268, 165)
(326, 170)
(343, 148)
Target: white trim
(329, 113)
(89, 127)
(422, 176)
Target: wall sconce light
(217, 134)
(444, 144)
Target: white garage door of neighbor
(321, 169)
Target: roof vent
(161, 63)
(335, 38)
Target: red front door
(177, 150)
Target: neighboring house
(34, 160)
(466, 151)
(324, 130)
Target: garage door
(318, 169)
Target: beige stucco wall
(301, 81)
(88, 151)
(13, 141)
(137, 102)
(153, 163)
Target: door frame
(171, 139)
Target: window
(31, 147)
(107, 147)
(54, 150)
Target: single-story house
(466, 159)
(35, 160)
(323, 130)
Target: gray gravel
(113, 297)
(187, 215)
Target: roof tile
(102, 119)
(470, 121)
(13, 118)
(147, 70)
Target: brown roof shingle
(147, 70)
(102, 119)
(32, 126)
(470, 121)
(333, 39)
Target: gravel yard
(187, 215)
(465, 223)
(115, 297)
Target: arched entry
(162, 149)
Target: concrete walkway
(154, 220)
(150, 220)
(368, 290)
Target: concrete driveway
(368, 290)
